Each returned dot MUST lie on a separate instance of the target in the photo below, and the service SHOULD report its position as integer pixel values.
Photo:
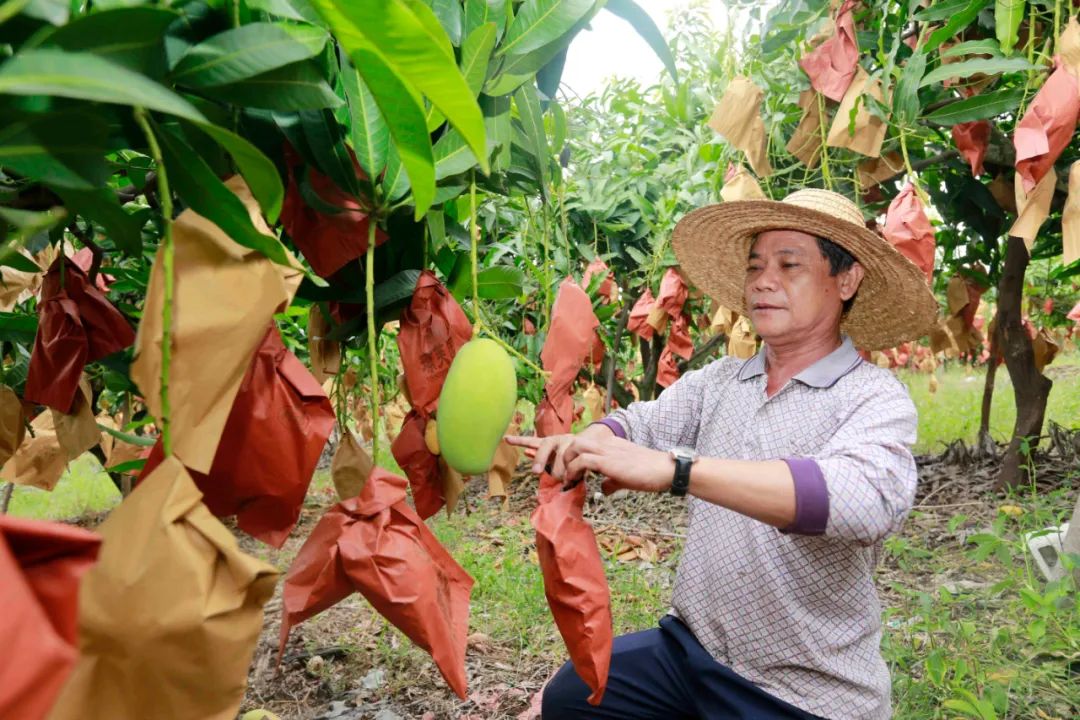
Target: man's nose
(765, 280)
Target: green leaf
(412, 46)
(55, 12)
(540, 22)
(326, 140)
(299, 86)
(84, 76)
(452, 155)
(18, 328)
(101, 206)
(905, 100)
(957, 21)
(132, 37)
(1008, 14)
(128, 468)
(258, 170)
(973, 47)
(204, 193)
(979, 107)
(60, 149)
(528, 107)
(480, 12)
(501, 282)
(403, 110)
(941, 10)
(396, 288)
(499, 129)
(140, 440)
(450, 17)
(632, 13)
(367, 128)
(396, 180)
(476, 55)
(985, 66)
(291, 9)
(247, 51)
(18, 226)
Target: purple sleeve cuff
(612, 425)
(811, 497)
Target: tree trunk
(1031, 387)
(609, 380)
(647, 388)
(984, 443)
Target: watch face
(684, 453)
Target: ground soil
(328, 672)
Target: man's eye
(790, 265)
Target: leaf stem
(826, 175)
(373, 364)
(474, 240)
(168, 256)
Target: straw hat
(893, 304)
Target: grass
(952, 413)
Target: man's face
(789, 292)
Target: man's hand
(624, 464)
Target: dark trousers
(665, 673)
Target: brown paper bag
(805, 143)
(12, 426)
(351, 466)
(875, 171)
(325, 354)
(226, 295)
(740, 185)
(1033, 208)
(738, 118)
(742, 343)
(869, 130)
(1070, 216)
(78, 432)
(502, 472)
(169, 617)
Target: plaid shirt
(795, 613)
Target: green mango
(476, 406)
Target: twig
(624, 318)
(95, 249)
(702, 351)
(5, 497)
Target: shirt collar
(822, 374)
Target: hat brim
(894, 304)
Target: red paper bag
(971, 140)
(277, 428)
(1047, 126)
(638, 322)
(1074, 314)
(673, 293)
(421, 467)
(569, 342)
(76, 325)
(375, 544)
(678, 343)
(831, 66)
(41, 564)
(328, 241)
(910, 231)
(433, 329)
(607, 290)
(574, 582)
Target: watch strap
(681, 482)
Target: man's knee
(563, 693)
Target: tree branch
(624, 318)
(95, 249)
(703, 351)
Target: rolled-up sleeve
(868, 469)
(671, 420)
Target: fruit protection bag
(569, 342)
(377, 545)
(411, 452)
(574, 581)
(277, 428)
(77, 325)
(170, 614)
(41, 564)
(329, 240)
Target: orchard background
(181, 183)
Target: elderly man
(797, 464)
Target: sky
(613, 47)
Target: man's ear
(850, 280)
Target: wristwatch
(684, 457)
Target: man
(797, 463)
